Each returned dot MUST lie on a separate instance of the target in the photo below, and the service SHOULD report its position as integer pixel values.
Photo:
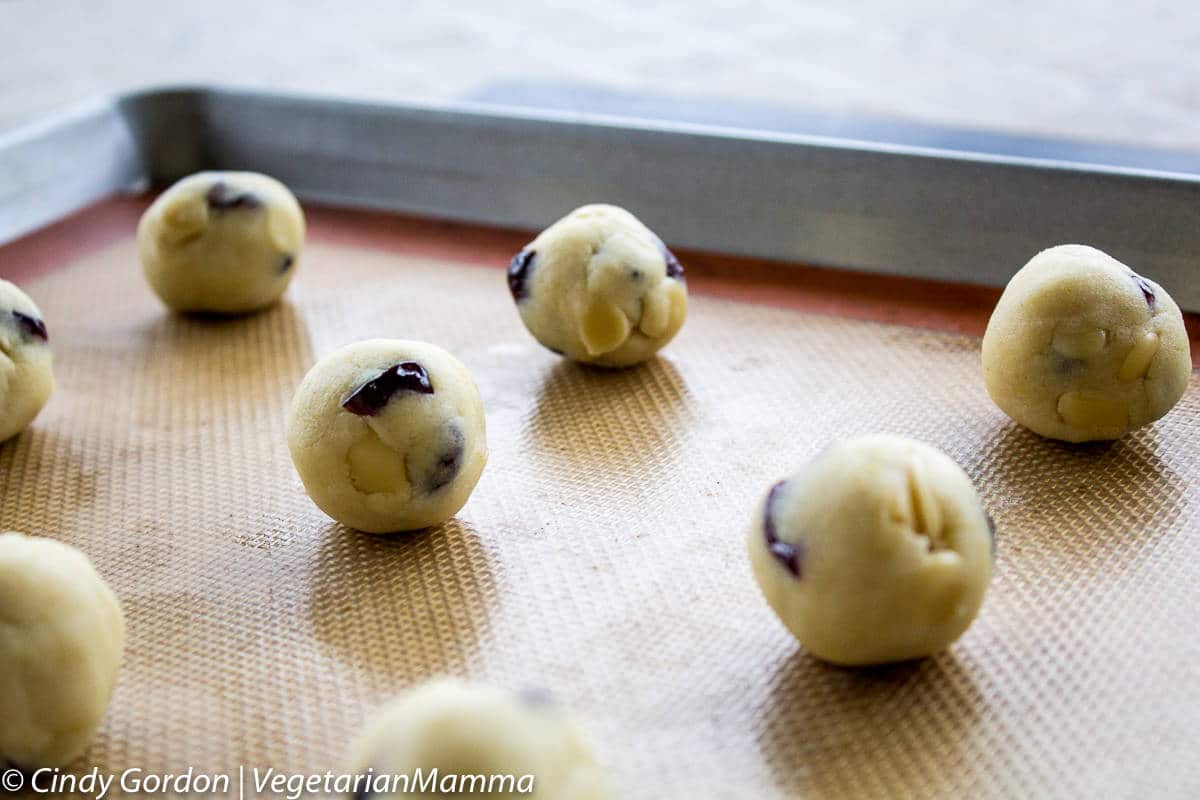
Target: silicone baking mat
(602, 554)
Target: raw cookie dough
(599, 287)
(388, 435)
(26, 376)
(62, 635)
(1080, 347)
(224, 242)
(876, 551)
(466, 730)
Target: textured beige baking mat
(602, 554)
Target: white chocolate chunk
(603, 327)
(926, 514)
(1080, 344)
(1092, 410)
(375, 467)
(184, 218)
(656, 313)
(1137, 363)
(678, 296)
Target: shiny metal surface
(897, 209)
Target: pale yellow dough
(1081, 348)
(222, 242)
(26, 368)
(467, 729)
(876, 551)
(411, 464)
(62, 636)
(599, 287)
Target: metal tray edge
(966, 217)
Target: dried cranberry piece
(221, 198)
(371, 398)
(449, 461)
(791, 556)
(31, 326)
(518, 274)
(1147, 289)
(674, 268)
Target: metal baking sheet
(602, 554)
(898, 209)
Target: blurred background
(1115, 73)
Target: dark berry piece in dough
(791, 556)
(518, 274)
(285, 262)
(449, 459)
(1147, 289)
(674, 268)
(221, 198)
(371, 398)
(31, 327)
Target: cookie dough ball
(26, 376)
(1081, 347)
(224, 242)
(463, 729)
(876, 551)
(388, 435)
(62, 635)
(599, 287)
